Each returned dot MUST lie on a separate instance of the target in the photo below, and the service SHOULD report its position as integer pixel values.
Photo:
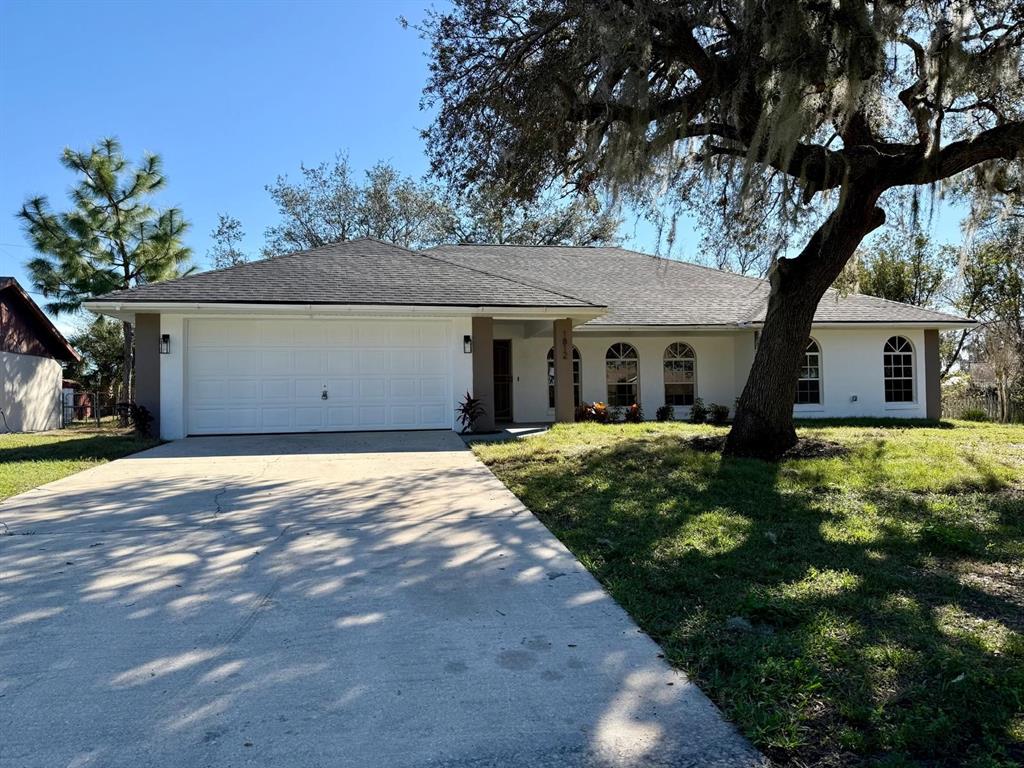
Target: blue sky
(230, 94)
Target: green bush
(698, 412)
(974, 414)
(718, 414)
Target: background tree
(111, 239)
(899, 266)
(101, 345)
(818, 111)
(329, 206)
(227, 238)
(399, 209)
(489, 214)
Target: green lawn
(29, 460)
(862, 607)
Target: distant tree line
(329, 203)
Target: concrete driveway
(320, 600)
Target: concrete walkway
(320, 600)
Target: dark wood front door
(502, 380)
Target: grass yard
(29, 460)
(860, 606)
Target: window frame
(889, 363)
(621, 356)
(665, 359)
(577, 376)
(820, 403)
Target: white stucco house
(31, 353)
(366, 335)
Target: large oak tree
(815, 109)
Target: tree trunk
(126, 375)
(763, 427)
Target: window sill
(900, 406)
(808, 408)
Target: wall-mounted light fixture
(467, 344)
(165, 344)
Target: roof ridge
(517, 281)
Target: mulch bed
(806, 448)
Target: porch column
(147, 366)
(932, 378)
(483, 370)
(565, 409)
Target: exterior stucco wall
(716, 375)
(851, 368)
(851, 365)
(31, 391)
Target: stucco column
(147, 365)
(932, 378)
(483, 370)
(565, 409)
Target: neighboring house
(31, 353)
(368, 335)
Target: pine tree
(112, 238)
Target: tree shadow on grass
(823, 623)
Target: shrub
(974, 414)
(593, 412)
(141, 419)
(469, 411)
(718, 414)
(665, 413)
(698, 412)
(634, 414)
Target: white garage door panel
(270, 375)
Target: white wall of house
(851, 361)
(716, 373)
(30, 396)
(852, 367)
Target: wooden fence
(956, 406)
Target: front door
(502, 380)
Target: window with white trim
(898, 369)
(808, 386)
(622, 374)
(680, 374)
(576, 362)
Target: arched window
(898, 366)
(808, 388)
(575, 377)
(622, 374)
(680, 374)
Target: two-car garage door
(250, 376)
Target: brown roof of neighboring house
(25, 329)
(635, 288)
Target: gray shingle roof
(637, 289)
(640, 289)
(354, 272)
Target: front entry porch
(495, 377)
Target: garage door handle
(323, 395)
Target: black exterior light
(467, 344)
(165, 344)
